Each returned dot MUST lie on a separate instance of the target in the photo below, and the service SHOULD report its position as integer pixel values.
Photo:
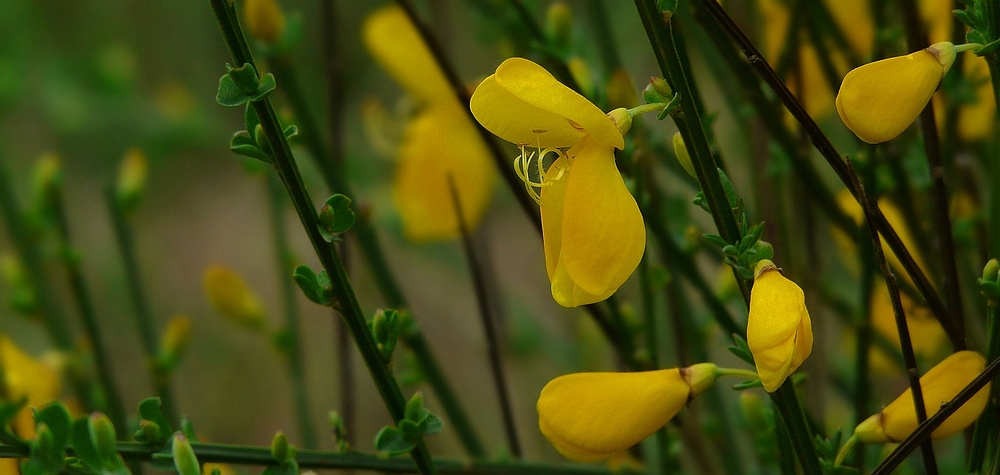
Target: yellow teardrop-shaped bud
(779, 331)
(940, 385)
(176, 338)
(131, 183)
(264, 20)
(231, 297)
(594, 416)
(879, 100)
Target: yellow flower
(779, 331)
(940, 385)
(26, 376)
(231, 297)
(264, 20)
(132, 174)
(879, 100)
(926, 333)
(593, 416)
(592, 229)
(440, 141)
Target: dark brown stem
(868, 205)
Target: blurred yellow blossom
(592, 230)
(926, 334)
(779, 331)
(27, 377)
(593, 416)
(264, 20)
(440, 141)
(231, 297)
(939, 385)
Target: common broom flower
(879, 100)
(779, 331)
(441, 141)
(940, 385)
(593, 416)
(592, 230)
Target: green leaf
(9, 409)
(58, 420)
(308, 281)
(82, 444)
(415, 407)
(390, 442)
(748, 385)
(290, 131)
(990, 48)
(267, 84)
(245, 77)
(716, 239)
(243, 144)
(434, 424)
(150, 410)
(187, 428)
(741, 349)
(335, 217)
(229, 94)
(250, 118)
(409, 430)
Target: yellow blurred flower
(779, 331)
(593, 416)
(231, 297)
(926, 334)
(440, 141)
(264, 20)
(940, 385)
(592, 229)
(813, 89)
(131, 183)
(879, 100)
(27, 377)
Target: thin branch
(489, 324)
(868, 205)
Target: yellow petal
(855, 21)
(26, 376)
(593, 416)
(776, 19)
(879, 100)
(936, 14)
(441, 142)
(518, 122)
(779, 331)
(926, 333)
(603, 235)
(564, 290)
(939, 385)
(395, 43)
(541, 100)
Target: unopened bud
(559, 24)
(279, 447)
(681, 152)
(185, 460)
(264, 20)
(131, 180)
(945, 53)
(991, 272)
(102, 435)
(231, 297)
(622, 119)
(176, 338)
(581, 74)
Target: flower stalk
(343, 293)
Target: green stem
(986, 424)
(316, 459)
(862, 385)
(26, 244)
(787, 403)
(646, 108)
(368, 243)
(675, 67)
(738, 373)
(85, 305)
(993, 62)
(143, 315)
(286, 263)
(343, 293)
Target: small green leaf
(267, 84)
(434, 424)
(229, 94)
(415, 407)
(279, 447)
(243, 144)
(290, 131)
(390, 442)
(308, 281)
(716, 240)
(336, 216)
(58, 420)
(187, 428)
(245, 77)
(185, 460)
(748, 385)
(741, 349)
(82, 444)
(150, 410)
(989, 49)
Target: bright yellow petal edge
(939, 385)
(590, 417)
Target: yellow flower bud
(622, 119)
(681, 152)
(593, 416)
(231, 297)
(176, 338)
(131, 179)
(879, 100)
(779, 331)
(940, 385)
(559, 24)
(264, 20)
